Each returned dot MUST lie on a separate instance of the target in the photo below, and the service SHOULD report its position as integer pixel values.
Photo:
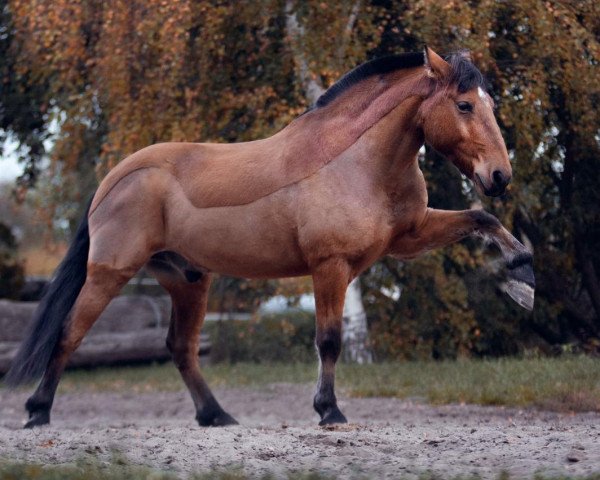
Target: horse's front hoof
(215, 418)
(521, 293)
(37, 419)
(333, 417)
(520, 283)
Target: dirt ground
(387, 438)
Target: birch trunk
(355, 333)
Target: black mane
(464, 73)
(377, 66)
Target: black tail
(49, 319)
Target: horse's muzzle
(497, 185)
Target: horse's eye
(464, 107)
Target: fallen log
(106, 349)
(133, 329)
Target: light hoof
(521, 293)
(520, 281)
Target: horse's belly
(257, 240)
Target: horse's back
(221, 174)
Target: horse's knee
(329, 343)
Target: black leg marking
(329, 345)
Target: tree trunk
(589, 276)
(355, 334)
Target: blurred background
(86, 83)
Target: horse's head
(458, 120)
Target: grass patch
(563, 384)
(121, 470)
(165, 377)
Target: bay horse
(327, 196)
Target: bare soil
(278, 433)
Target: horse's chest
(339, 218)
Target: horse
(331, 193)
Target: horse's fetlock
(324, 402)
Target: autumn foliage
(106, 78)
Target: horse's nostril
(499, 178)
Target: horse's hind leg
(189, 293)
(101, 285)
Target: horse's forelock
(464, 74)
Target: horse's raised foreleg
(330, 278)
(101, 285)
(189, 297)
(442, 227)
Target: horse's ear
(436, 66)
(466, 54)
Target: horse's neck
(385, 105)
(390, 149)
(395, 139)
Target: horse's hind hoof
(215, 418)
(333, 417)
(223, 420)
(37, 419)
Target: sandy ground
(387, 438)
